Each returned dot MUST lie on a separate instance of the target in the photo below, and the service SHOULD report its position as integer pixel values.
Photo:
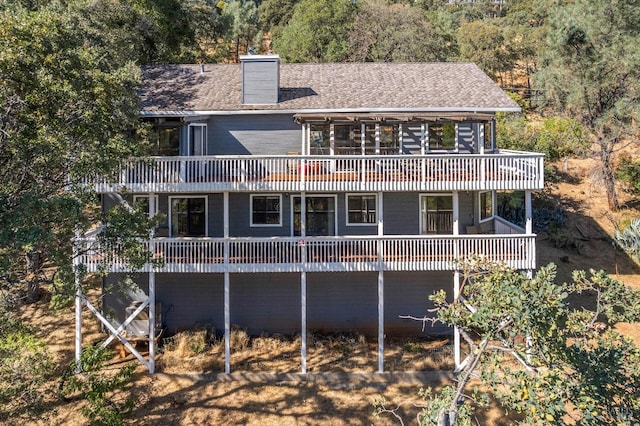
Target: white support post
(424, 141)
(303, 322)
(456, 332)
(379, 211)
(400, 139)
(363, 138)
(152, 292)
(456, 214)
(78, 301)
(528, 212)
(377, 138)
(303, 282)
(380, 319)
(332, 138)
(227, 283)
(227, 325)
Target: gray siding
(346, 302)
(401, 213)
(260, 80)
(466, 137)
(254, 134)
(266, 302)
(342, 302)
(411, 138)
(407, 293)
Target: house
(315, 197)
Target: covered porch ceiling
(379, 117)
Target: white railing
(315, 254)
(291, 173)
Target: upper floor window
(442, 136)
(197, 139)
(436, 216)
(167, 140)
(320, 140)
(488, 137)
(389, 139)
(266, 210)
(345, 142)
(361, 209)
(188, 216)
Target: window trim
(433, 194)
(206, 214)
(203, 141)
(265, 225)
(360, 194)
(490, 217)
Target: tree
(69, 113)
(484, 44)
(591, 71)
(243, 31)
(317, 31)
(396, 33)
(538, 353)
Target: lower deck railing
(317, 254)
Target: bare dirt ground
(175, 397)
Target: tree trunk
(606, 151)
(33, 265)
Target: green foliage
(540, 355)
(590, 72)
(628, 171)
(628, 239)
(316, 32)
(24, 365)
(106, 392)
(397, 33)
(556, 137)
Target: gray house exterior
(315, 197)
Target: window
(510, 205)
(344, 140)
(361, 209)
(436, 214)
(266, 210)
(442, 136)
(486, 205)
(487, 140)
(389, 141)
(143, 202)
(320, 217)
(197, 139)
(320, 140)
(167, 140)
(188, 216)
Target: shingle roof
(327, 87)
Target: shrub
(24, 364)
(628, 239)
(106, 392)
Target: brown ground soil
(177, 398)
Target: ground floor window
(436, 214)
(320, 215)
(486, 205)
(188, 216)
(361, 209)
(266, 210)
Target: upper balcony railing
(320, 254)
(507, 170)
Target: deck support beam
(456, 332)
(227, 312)
(303, 320)
(78, 301)
(379, 210)
(152, 290)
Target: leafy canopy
(547, 351)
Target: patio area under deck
(506, 170)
